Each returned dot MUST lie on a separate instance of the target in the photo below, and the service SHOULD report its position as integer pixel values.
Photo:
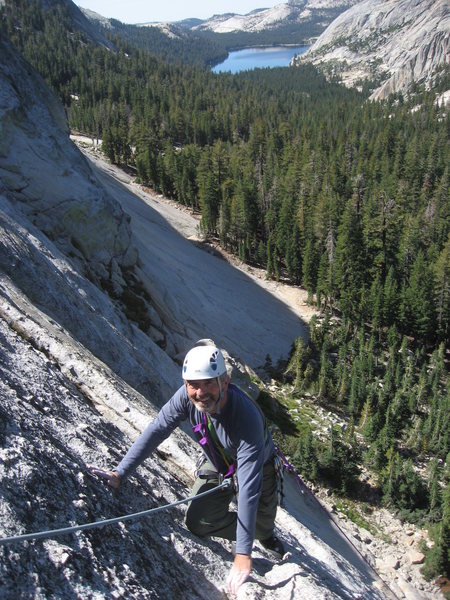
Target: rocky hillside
(47, 185)
(391, 42)
(294, 11)
(79, 20)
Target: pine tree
(296, 365)
(435, 491)
(390, 299)
(376, 304)
(294, 254)
(437, 560)
(441, 292)
(349, 263)
(326, 384)
(418, 299)
(305, 458)
(310, 267)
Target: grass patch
(354, 512)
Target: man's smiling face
(204, 394)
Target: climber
(235, 442)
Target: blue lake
(259, 58)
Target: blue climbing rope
(64, 530)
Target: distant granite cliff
(295, 11)
(393, 42)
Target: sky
(142, 11)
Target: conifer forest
(324, 189)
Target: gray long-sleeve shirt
(240, 430)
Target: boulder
(416, 558)
(409, 592)
(388, 563)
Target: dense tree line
(396, 399)
(181, 46)
(322, 188)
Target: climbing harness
(55, 532)
(208, 439)
(227, 459)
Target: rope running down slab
(55, 532)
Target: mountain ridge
(295, 11)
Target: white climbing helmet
(203, 362)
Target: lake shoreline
(262, 56)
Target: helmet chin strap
(219, 399)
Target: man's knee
(198, 509)
(210, 515)
(194, 522)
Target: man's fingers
(112, 478)
(99, 472)
(235, 579)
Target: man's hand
(239, 572)
(112, 477)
